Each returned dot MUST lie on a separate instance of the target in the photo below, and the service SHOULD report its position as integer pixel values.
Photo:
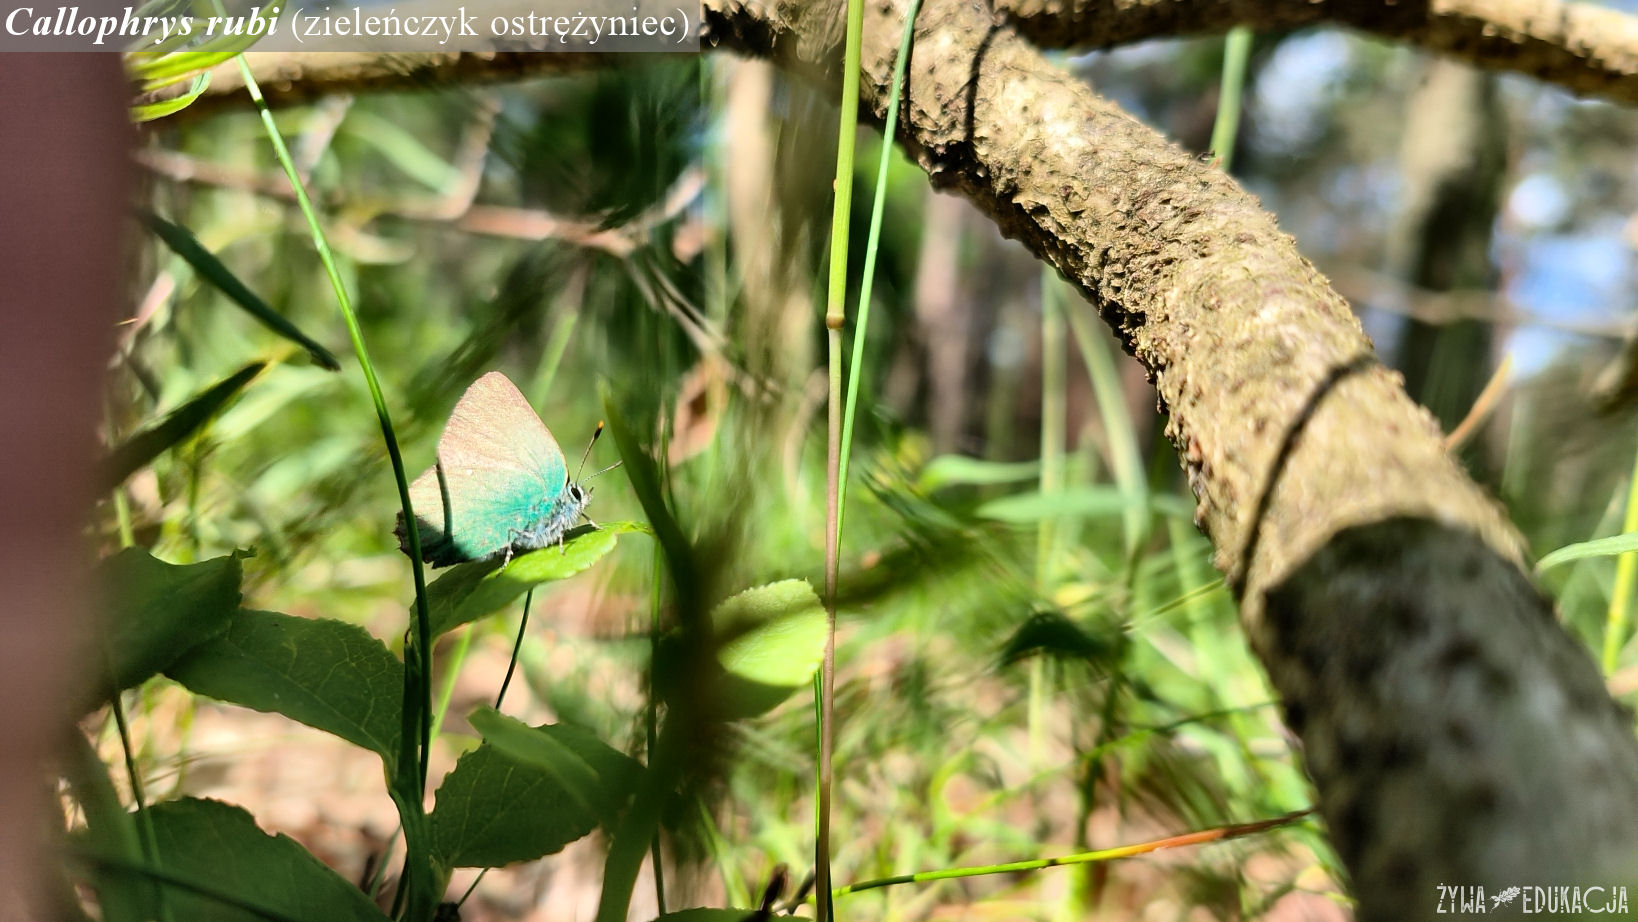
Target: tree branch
(1456, 734)
(1587, 49)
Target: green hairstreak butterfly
(500, 486)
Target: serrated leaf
(184, 244)
(1601, 547)
(219, 866)
(495, 808)
(774, 642)
(537, 749)
(142, 448)
(470, 591)
(326, 674)
(156, 612)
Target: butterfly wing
(499, 472)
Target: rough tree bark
(1455, 733)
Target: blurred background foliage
(1019, 675)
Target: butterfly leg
(511, 545)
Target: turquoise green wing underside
(499, 472)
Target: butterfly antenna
(603, 471)
(596, 434)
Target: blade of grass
(1626, 574)
(142, 448)
(835, 318)
(841, 426)
(186, 245)
(149, 111)
(1217, 834)
(1124, 457)
(1236, 50)
(409, 787)
(1051, 481)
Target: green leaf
(157, 612)
(960, 469)
(144, 57)
(1024, 508)
(470, 591)
(159, 63)
(149, 111)
(156, 68)
(774, 640)
(1601, 547)
(217, 865)
(141, 449)
(186, 245)
(496, 808)
(522, 743)
(326, 674)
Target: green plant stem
(1124, 458)
(872, 246)
(1104, 854)
(1236, 52)
(1053, 439)
(1626, 574)
(416, 742)
(652, 711)
(517, 647)
(1054, 420)
(452, 674)
(556, 346)
(835, 317)
(150, 844)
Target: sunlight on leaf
(470, 591)
(774, 642)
